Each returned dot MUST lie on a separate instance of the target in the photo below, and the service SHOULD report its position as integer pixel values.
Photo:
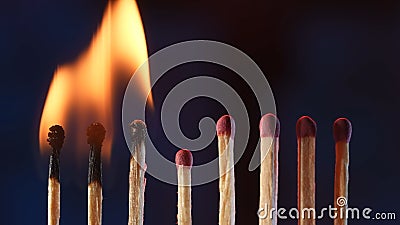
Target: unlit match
(184, 162)
(269, 148)
(137, 181)
(96, 134)
(306, 131)
(226, 132)
(342, 133)
(56, 140)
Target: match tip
(96, 134)
(138, 133)
(306, 127)
(56, 137)
(226, 126)
(342, 130)
(269, 126)
(184, 158)
(138, 130)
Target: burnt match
(342, 133)
(269, 148)
(56, 140)
(226, 133)
(95, 136)
(184, 162)
(137, 181)
(306, 131)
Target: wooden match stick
(269, 133)
(306, 131)
(226, 132)
(137, 181)
(96, 134)
(342, 133)
(56, 140)
(184, 162)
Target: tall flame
(82, 92)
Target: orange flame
(82, 92)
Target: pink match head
(184, 158)
(269, 126)
(342, 130)
(306, 127)
(226, 126)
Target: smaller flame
(54, 107)
(82, 92)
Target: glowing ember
(82, 92)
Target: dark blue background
(325, 60)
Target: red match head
(226, 126)
(184, 158)
(342, 130)
(269, 126)
(306, 127)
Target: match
(342, 133)
(56, 140)
(96, 134)
(226, 131)
(306, 131)
(269, 148)
(184, 162)
(137, 181)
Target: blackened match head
(138, 130)
(138, 133)
(95, 134)
(184, 158)
(306, 127)
(269, 126)
(56, 137)
(342, 130)
(226, 126)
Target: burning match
(342, 133)
(137, 181)
(96, 134)
(226, 132)
(306, 131)
(269, 133)
(56, 141)
(184, 162)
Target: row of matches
(269, 146)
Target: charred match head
(226, 126)
(269, 126)
(306, 127)
(138, 131)
(184, 158)
(342, 130)
(95, 134)
(56, 137)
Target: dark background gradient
(325, 59)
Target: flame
(82, 92)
